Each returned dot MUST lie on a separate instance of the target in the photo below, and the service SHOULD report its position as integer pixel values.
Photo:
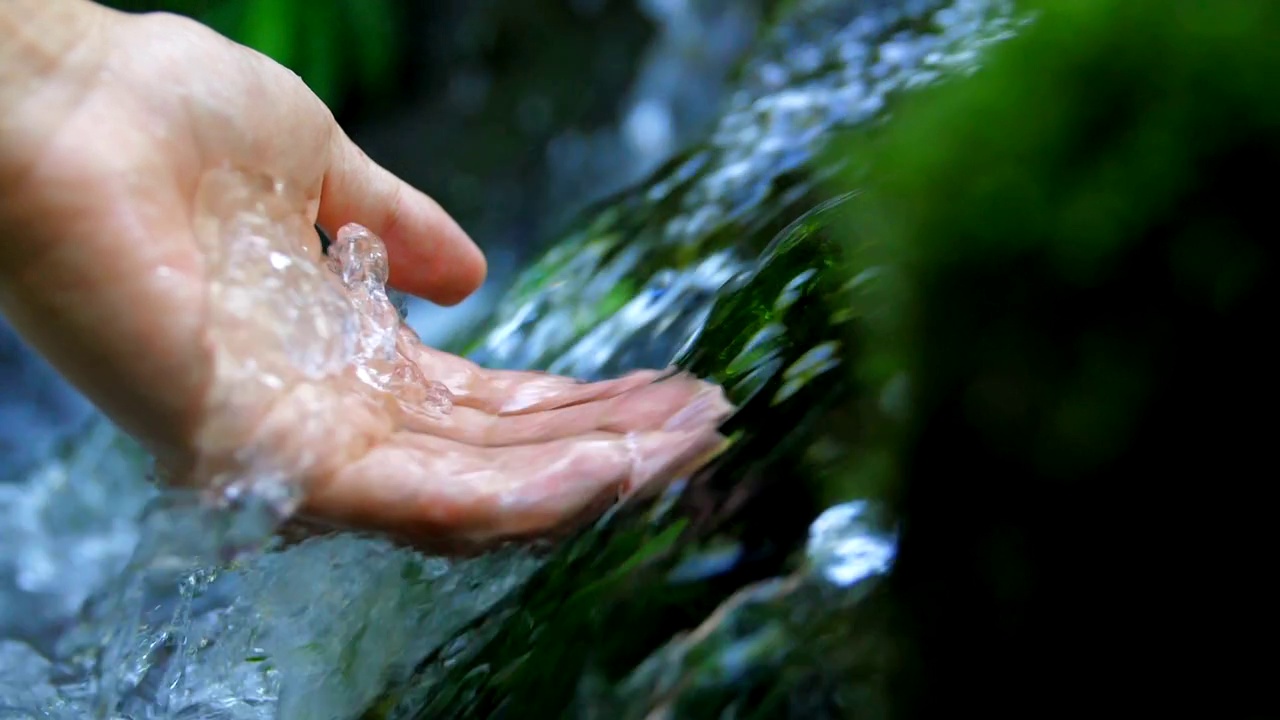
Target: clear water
(317, 629)
(186, 616)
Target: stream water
(113, 604)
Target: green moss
(1083, 282)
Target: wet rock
(605, 599)
(768, 306)
(1092, 378)
(724, 261)
(706, 214)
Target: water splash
(129, 669)
(848, 545)
(316, 629)
(182, 630)
(359, 259)
(310, 335)
(800, 622)
(668, 241)
(68, 528)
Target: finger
(682, 404)
(430, 256)
(510, 392)
(427, 487)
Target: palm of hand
(197, 311)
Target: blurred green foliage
(1083, 283)
(458, 97)
(336, 46)
(775, 339)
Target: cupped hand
(125, 266)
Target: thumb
(429, 254)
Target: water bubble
(847, 545)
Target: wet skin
(109, 124)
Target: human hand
(139, 163)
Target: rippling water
(318, 629)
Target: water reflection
(846, 547)
(712, 670)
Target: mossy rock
(1080, 238)
(727, 260)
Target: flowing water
(121, 601)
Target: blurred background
(1083, 294)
